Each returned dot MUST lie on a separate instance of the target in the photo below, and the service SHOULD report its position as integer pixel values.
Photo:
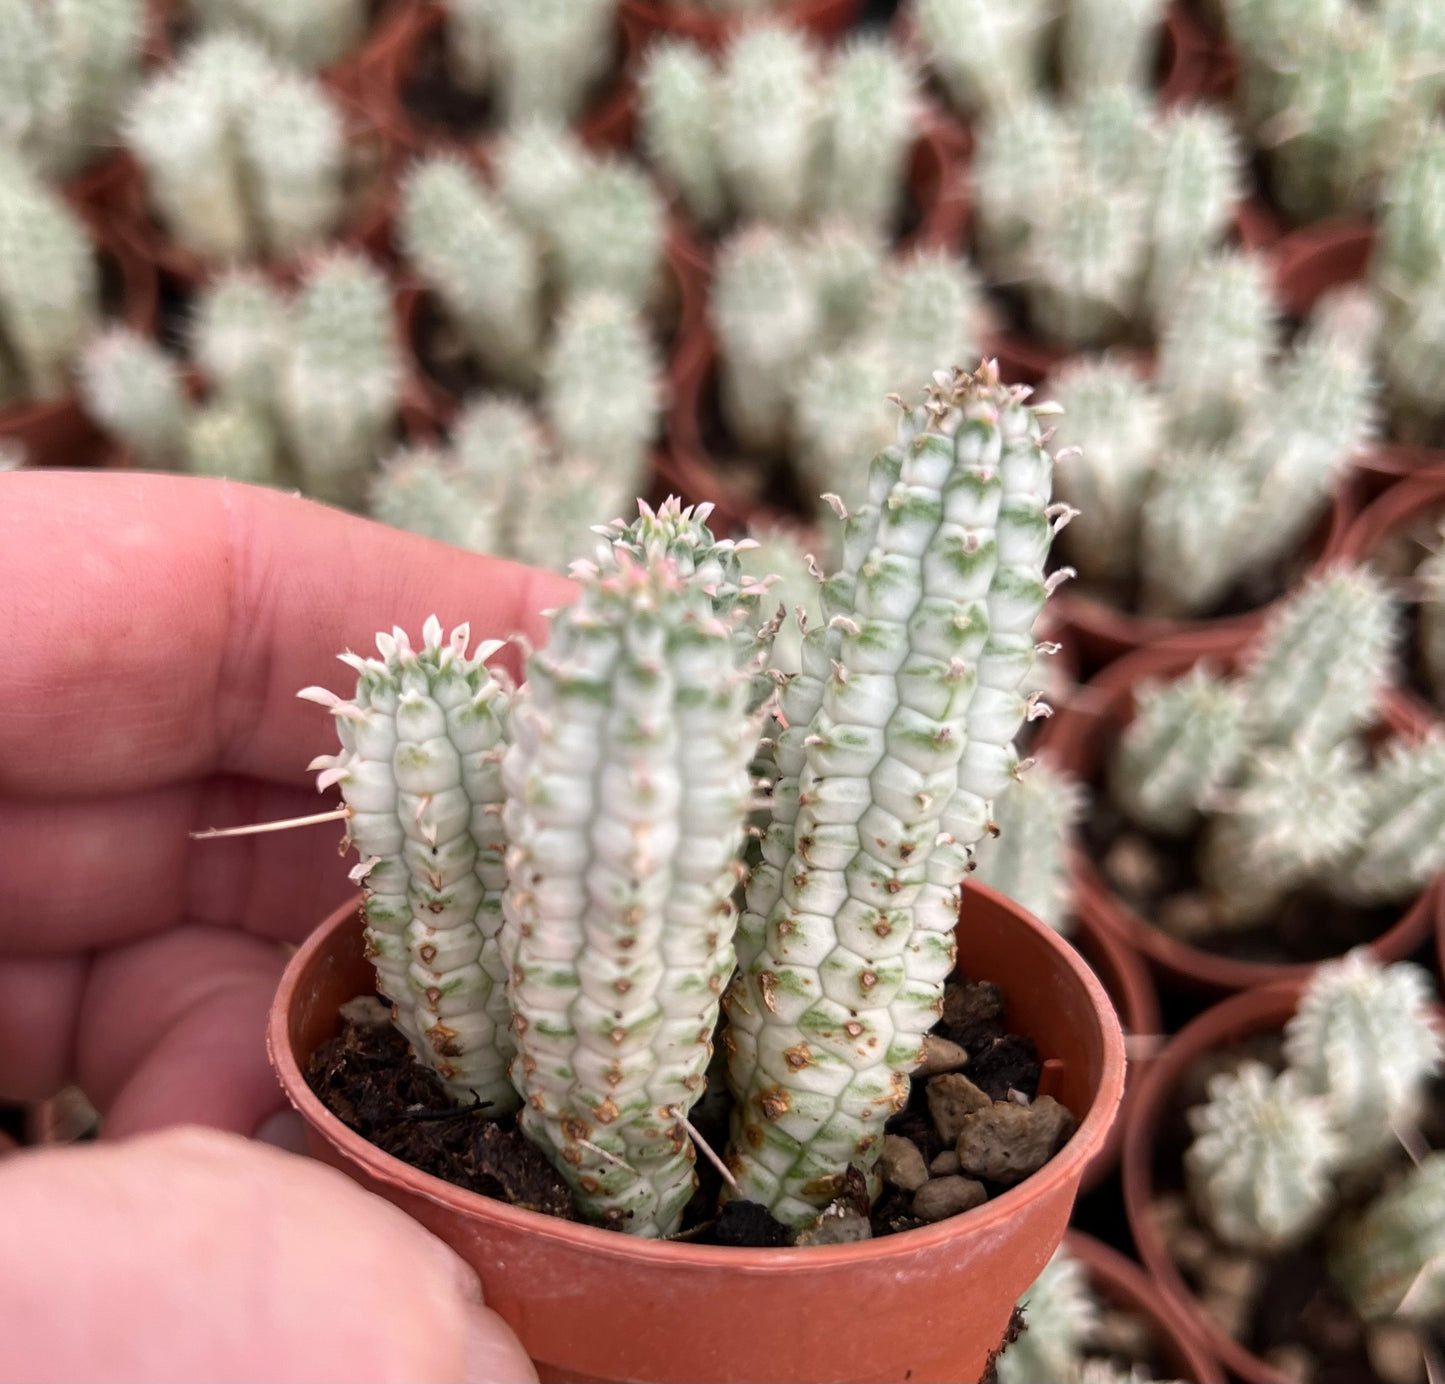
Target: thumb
(195, 1255)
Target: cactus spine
(938, 578)
(419, 769)
(627, 793)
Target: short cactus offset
(540, 60)
(988, 57)
(1108, 42)
(619, 941)
(1363, 1038)
(309, 33)
(1029, 857)
(1260, 1165)
(420, 770)
(1391, 1261)
(1060, 1316)
(423, 490)
(1184, 743)
(133, 388)
(243, 157)
(49, 286)
(1297, 814)
(846, 942)
(65, 72)
(773, 131)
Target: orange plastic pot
(58, 432)
(644, 20)
(1078, 741)
(1120, 1283)
(1104, 632)
(590, 1304)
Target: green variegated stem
(627, 795)
(420, 770)
(827, 1020)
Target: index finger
(157, 628)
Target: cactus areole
(556, 900)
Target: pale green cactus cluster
(1430, 575)
(625, 794)
(1197, 484)
(815, 330)
(49, 287)
(531, 484)
(992, 58)
(66, 70)
(773, 130)
(300, 389)
(1272, 763)
(245, 158)
(1059, 1345)
(1099, 210)
(899, 737)
(539, 60)
(1272, 1150)
(309, 33)
(1335, 93)
(559, 223)
(1028, 858)
(1408, 273)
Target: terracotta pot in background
(1188, 58)
(1077, 741)
(1120, 1283)
(1104, 632)
(591, 1304)
(642, 20)
(58, 432)
(1310, 262)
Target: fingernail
(491, 1352)
(284, 1130)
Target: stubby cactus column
(919, 668)
(627, 796)
(420, 771)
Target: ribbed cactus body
(1029, 857)
(420, 770)
(236, 440)
(627, 793)
(239, 335)
(49, 283)
(1363, 1038)
(607, 235)
(1259, 1167)
(1297, 814)
(1184, 743)
(826, 1020)
(243, 157)
(1391, 1261)
(1117, 422)
(1322, 662)
(1061, 1315)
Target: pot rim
(1067, 1166)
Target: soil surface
(1284, 1308)
(984, 1129)
(1158, 878)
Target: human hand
(156, 630)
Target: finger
(39, 1001)
(196, 1256)
(159, 627)
(93, 872)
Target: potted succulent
(1280, 1178)
(549, 878)
(712, 23)
(59, 280)
(1261, 804)
(1208, 484)
(1093, 1317)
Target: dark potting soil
(366, 1077)
(1285, 1308)
(1158, 878)
(431, 96)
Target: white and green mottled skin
(847, 945)
(627, 796)
(1061, 1315)
(1363, 1037)
(1391, 1261)
(420, 770)
(1259, 1169)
